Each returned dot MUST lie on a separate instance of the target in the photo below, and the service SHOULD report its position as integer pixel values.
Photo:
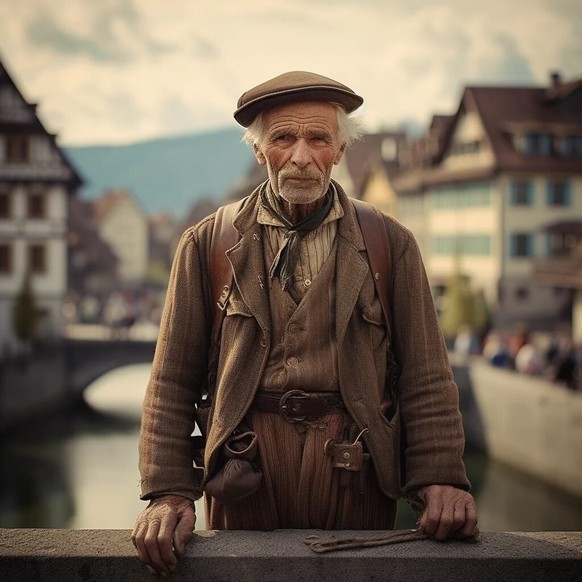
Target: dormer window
(571, 146)
(537, 144)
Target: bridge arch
(88, 360)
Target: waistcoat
(304, 353)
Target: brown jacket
(426, 433)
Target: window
(522, 193)
(36, 206)
(17, 149)
(467, 244)
(537, 144)
(462, 148)
(462, 196)
(37, 258)
(5, 205)
(521, 245)
(571, 146)
(559, 194)
(5, 259)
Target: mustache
(299, 175)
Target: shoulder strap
(224, 237)
(379, 254)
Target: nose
(301, 153)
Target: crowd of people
(555, 357)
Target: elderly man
(303, 329)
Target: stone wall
(282, 556)
(528, 423)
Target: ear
(259, 155)
(340, 154)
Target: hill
(168, 174)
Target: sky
(121, 71)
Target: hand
(162, 531)
(448, 512)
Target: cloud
(122, 70)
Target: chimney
(556, 78)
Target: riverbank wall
(283, 556)
(525, 422)
(33, 385)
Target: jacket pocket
(372, 313)
(237, 307)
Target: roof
(369, 153)
(507, 111)
(22, 118)
(105, 204)
(507, 114)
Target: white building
(36, 181)
(494, 191)
(122, 223)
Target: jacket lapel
(248, 265)
(351, 266)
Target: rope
(321, 545)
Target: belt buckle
(286, 409)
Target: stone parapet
(281, 556)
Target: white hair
(349, 127)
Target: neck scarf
(284, 263)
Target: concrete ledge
(281, 556)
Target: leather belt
(297, 405)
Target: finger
(445, 522)
(470, 526)
(459, 516)
(430, 519)
(165, 545)
(184, 530)
(154, 557)
(138, 536)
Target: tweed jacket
(421, 445)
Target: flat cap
(290, 87)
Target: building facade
(36, 182)
(122, 223)
(486, 190)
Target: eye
(320, 139)
(282, 138)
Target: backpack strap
(379, 255)
(224, 237)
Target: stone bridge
(56, 375)
(86, 360)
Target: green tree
(158, 273)
(459, 307)
(25, 313)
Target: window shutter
(567, 194)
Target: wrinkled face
(300, 147)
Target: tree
(25, 313)
(459, 307)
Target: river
(79, 470)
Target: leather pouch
(240, 476)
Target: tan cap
(293, 86)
